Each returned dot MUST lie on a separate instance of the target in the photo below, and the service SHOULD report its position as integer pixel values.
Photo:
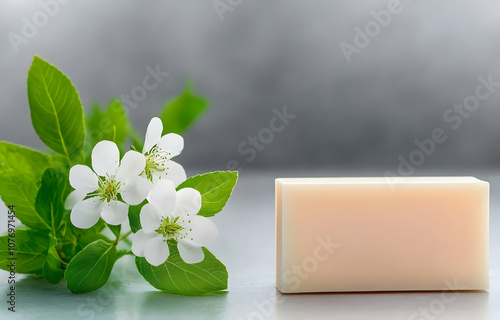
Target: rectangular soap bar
(368, 234)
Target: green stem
(123, 237)
(61, 256)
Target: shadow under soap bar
(374, 234)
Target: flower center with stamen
(108, 188)
(155, 161)
(170, 228)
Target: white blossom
(172, 216)
(108, 189)
(158, 152)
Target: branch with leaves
(87, 187)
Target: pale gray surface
(246, 246)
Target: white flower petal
(171, 143)
(156, 251)
(125, 226)
(188, 203)
(172, 171)
(151, 185)
(114, 212)
(73, 198)
(163, 197)
(202, 231)
(82, 178)
(105, 158)
(150, 218)
(86, 213)
(153, 134)
(135, 190)
(132, 164)
(190, 252)
(139, 240)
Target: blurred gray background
(261, 55)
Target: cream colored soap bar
(372, 234)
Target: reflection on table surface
(126, 296)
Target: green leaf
(180, 113)
(52, 270)
(176, 276)
(85, 238)
(215, 188)
(133, 216)
(90, 268)
(110, 124)
(30, 251)
(115, 229)
(21, 171)
(50, 201)
(56, 110)
(67, 239)
(73, 240)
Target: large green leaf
(50, 201)
(56, 110)
(30, 251)
(90, 268)
(110, 124)
(176, 276)
(183, 111)
(215, 188)
(52, 270)
(21, 171)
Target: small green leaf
(215, 188)
(182, 112)
(50, 201)
(115, 229)
(110, 124)
(90, 268)
(21, 171)
(56, 110)
(176, 276)
(134, 218)
(52, 270)
(30, 251)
